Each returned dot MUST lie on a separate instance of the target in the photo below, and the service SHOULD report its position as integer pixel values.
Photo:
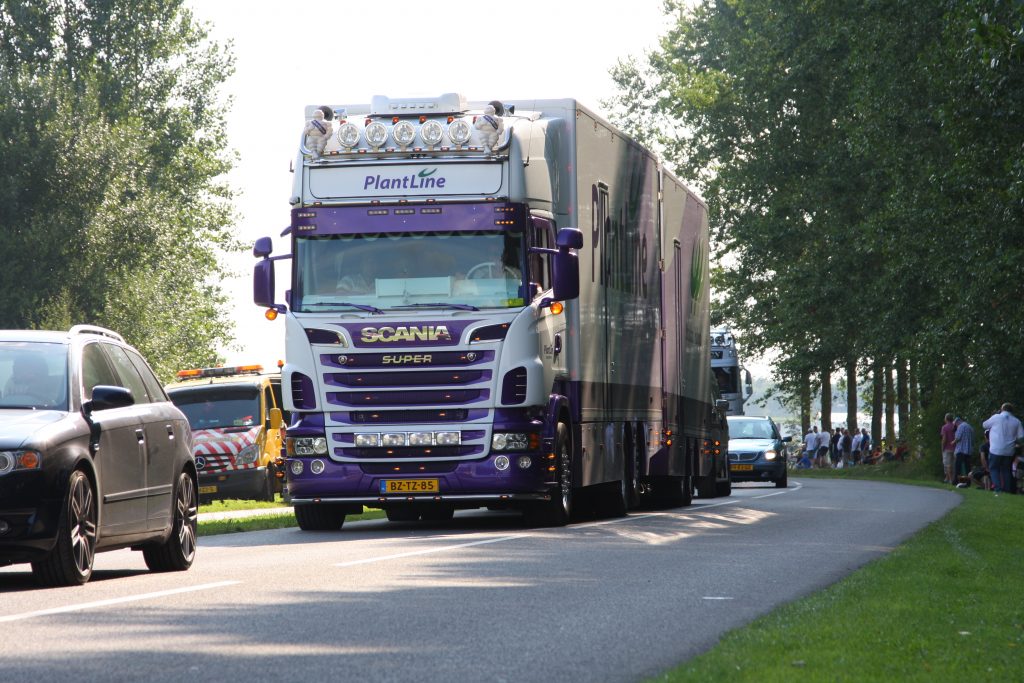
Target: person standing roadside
(857, 439)
(824, 439)
(1004, 429)
(947, 434)
(811, 446)
(963, 446)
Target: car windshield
(465, 270)
(750, 429)
(214, 407)
(33, 375)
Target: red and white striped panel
(218, 447)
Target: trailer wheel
(706, 486)
(673, 492)
(320, 517)
(558, 510)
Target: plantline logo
(424, 180)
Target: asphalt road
(480, 598)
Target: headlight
(20, 460)
(769, 455)
(248, 455)
(348, 135)
(513, 441)
(367, 440)
(421, 439)
(431, 132)
(459, 131)
(404, 133)
(376, 134)
(306, 446)
(392, 440)
(447, 438)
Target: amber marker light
(557, 307)
(271, 314)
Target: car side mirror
(106, 397)
(787, 439)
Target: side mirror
(105, 397)
(276, 418)
(722, 404)
(748, 387)
(263, 247)
(567, 266)
(787, 439)
(263, 283)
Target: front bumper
(758, 471)
(466, 484)
(29, 517)
(246, 484)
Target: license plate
(741, 468)
(207, 489)
(409, 486)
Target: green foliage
(113, 207)
(863, 171)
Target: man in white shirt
(811, 446)
(1004, 429)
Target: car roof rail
(94, 329)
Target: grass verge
(945, 606)
(268, 521)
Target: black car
(93, 456)
(757, 450)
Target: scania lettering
(499, 305)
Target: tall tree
(113, 207)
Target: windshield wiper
(362, 307)
(461, 307)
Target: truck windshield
(214, 407)
(475, 269)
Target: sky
(289, 55)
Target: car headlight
(247, 455)
(770, 455)
(306, 446)
(20, 460)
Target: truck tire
(724, 488)
(558, 510)
(673, 492)
(267, 490)
(320, 517)
(706, 487)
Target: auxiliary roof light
(431, 132)
(376, 134)
(459, 131)
(404, 133)
(348, 135)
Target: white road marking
(114, 601)
(428, 551)
(715, 597)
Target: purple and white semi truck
(498, 305)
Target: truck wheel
(177, 552)
(267, 490)
(673, 492)
(70, 561)
(724, 488)
(319, 517)
(706, 486)
(558, 510)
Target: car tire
(179, 550)
(782, 482)
(319, 517)
(71, 560)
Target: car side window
(153, 387)
(95, 370)
(126, 371)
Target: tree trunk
(805, 402)
(902, 400)
(851, 395)
(915, 398)
(890, 407)
(826, 398)
(877, 402)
